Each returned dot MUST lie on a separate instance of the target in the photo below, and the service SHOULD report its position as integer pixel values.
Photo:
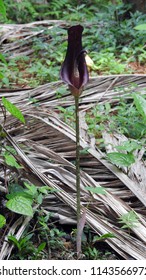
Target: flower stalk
(77, 158)
(74, 72)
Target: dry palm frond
(17, 39)
(46, 150)
(105, 88)
(48, 145)
(100, 224)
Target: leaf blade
(2, 221)
(141, 27)
(140, 104)
(13, 110)
(96, 190)
(121, 159)
(20, 205)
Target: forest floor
(29, 73)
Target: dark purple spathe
(74, 69)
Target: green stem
(77, 158)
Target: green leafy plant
(22, 13)
(25, 249)
(68, 115)
(56, 8)
(60, 92)
(140, 104)
(15, 70)
(103, 237)
(9, 154)
(2, 221)
(91, 244)
(141, 27)
(129, 146)
(106, 62)
(49, 232)
(118, 42)
(121, 159)
(2, 10)
(92, 253)
(95, 118)
(11, 161)
(130, 220)
(128, 121)
(20, 204)
(96, 190)
(21, 200)
(13, 110)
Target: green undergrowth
(111, 41)
(126, 117)
(44, 238)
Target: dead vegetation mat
(45, 148)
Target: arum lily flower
(74, 69)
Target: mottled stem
(77, 158)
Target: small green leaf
(141, 27)
(2, 221)
(14, 188)
(84, 151)
(61, 109)
(14, 240)
(10, 149)
(32, 189)
(23, 193)
(60, 92)
(1, 76)
(104, 236)
(2, 9)
(11, 161)
(140, 104)
(13, 110)
(43, 189)
(6, 81)
(20, 205)
(25, 239)
(129, 146)
(2, 58)
(97, 190)
(40, 199)
(121, 159)
(52, 190)
(129, 220)
(41, 247)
